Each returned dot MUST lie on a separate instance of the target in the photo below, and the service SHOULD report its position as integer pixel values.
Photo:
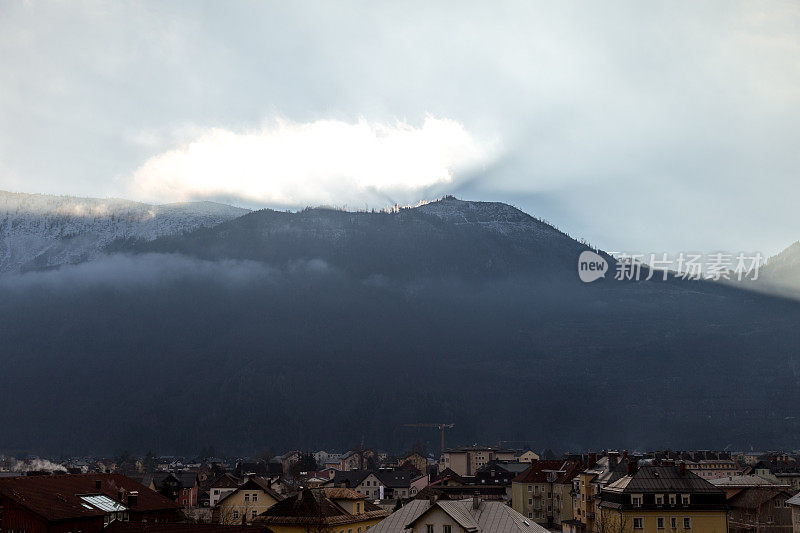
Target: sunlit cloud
(321, 162)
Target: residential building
(734, 484)
(527, 456)
(379, 484)
(656, 499)
(542, 492)
(466, 461)
(760, 509)
(246, 502)
(415, 460)
(794, 505)
(588, 485)
(332, 510)
(180, 486)
(221, 486)
(714, 468)
(85, 503)
(451, 516)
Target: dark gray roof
(658, 479)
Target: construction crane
(440, 427)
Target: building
(662, 498)
(180, 486)
(760, 509)
(221, 486)
(85, 503)
(379, 484)
(735, 484)
(247, 501)
(500, 473)
(172, 527)
(527, 456)
(794, 505)
(330, 510)
(714, 468)
(451, 516)
(588, 485)
(542, 492)
(466, 461)
(414, 460)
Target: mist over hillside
(44, 231)
(318, 328)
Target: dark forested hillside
(320, 328)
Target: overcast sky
(640, 126)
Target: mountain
(446, 237)
(781, 273)
(325, 329)
(41, 231)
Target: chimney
(120, 495)
(592, 459)
(633, 466)
(133, 498)
(613, 457)
(476, 500)
(98, 484)
(683, 468)
(624, 454)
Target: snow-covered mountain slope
(41, 231)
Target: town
(466, 489)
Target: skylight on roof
(103, 503)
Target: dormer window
(636, 500)
(659, 499)
(684, 499)
(672, 499)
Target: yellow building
(246, 502)
(542, 492)
(326, 510)
(587, 487)
(662, 499)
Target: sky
(639, 126)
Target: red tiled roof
(56, 497)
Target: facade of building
(246, 502)
(528, 456)
(541, 493)
(656, 499)
(467, 461)
(760, 510)
(588, 485)
(221, 486)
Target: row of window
(636, 499)
(430, 528)
(248, 495)
(638, 522)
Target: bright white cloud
(321, 162)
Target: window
(216, 491)
(636, 500)
(254, 513)
(638, 523)
(428, 528)
(447, 528)
(358, 507)
(660, 522)
(247, 497)
(673, 523)
(530, 501)
(687, 523)
(255, 496)
(684, 499)
(672, 499)
(659, 499)
(236, 514)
